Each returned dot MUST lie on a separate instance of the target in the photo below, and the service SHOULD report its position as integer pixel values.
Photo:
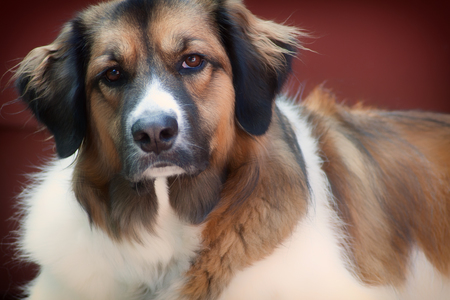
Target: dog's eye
(192, 62)
(113, 74)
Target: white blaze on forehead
(157, 99)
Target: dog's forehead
(172, 26)
(166, 25)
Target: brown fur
(389, 172)
(262, 201)
(390, 177)
(263, 33)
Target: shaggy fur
(181, 177)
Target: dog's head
(158, 88)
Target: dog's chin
(147, 171)
(163, 170)
(141, 182)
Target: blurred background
(389, 54)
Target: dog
(184, 174)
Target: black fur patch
(255, 84)
(63, 107)
(291, 139)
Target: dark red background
(392, 54)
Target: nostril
(166, 134)
(170, 131)
(141, 137)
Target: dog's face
(159, 84)
(157, 88)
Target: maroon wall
(392, 54)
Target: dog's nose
(155, 133)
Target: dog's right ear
(51, 81)
(261, 54)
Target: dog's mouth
(141, 182)
(163, 169)
(147, 170)
(181, 160)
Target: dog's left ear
(50, 81)
(261, 54)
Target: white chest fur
(81, 262)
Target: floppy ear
(51, 81)
(261, 54)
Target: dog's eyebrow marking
(183, 43)
(113, 54)
(104, 59)
(108, 57)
